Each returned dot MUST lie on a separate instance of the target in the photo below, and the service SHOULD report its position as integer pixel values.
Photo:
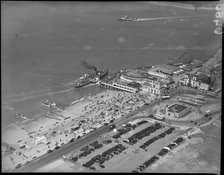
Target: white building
(153, 88)
(204, 86)
(97, 125)
(196, 81)
(41, 139)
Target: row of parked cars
(126, 128)
(143, 133)
(87, 150)
(169, 147)
(105, 156)
(161, 135)
(163, 152)
(146, 164)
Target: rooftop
(137, 73)
(167, 68)
(156, 72)
(134, 85)
(218, 68)
(203, 78)
(196, 63)
(204, 70)
(176, 108)
(123, 83)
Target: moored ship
(89, 78)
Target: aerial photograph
(111, 86)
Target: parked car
(57, 147)
(18, 166)
(49, 151)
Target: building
(177, 110)
(204, 70)
(97, 125)
(41, 139)
(153, 88)
(162, 75)
(137, 75)
(218, 68)
(200, 81)
(166, 69)
(158, 75)
(196, 64)
(141, 80)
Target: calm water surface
(43, 45)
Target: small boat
(126, 18)
(48, 103)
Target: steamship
(89, 78)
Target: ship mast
(101, 64)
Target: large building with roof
(204, 70)
(137, 75)
(163, 75)
(177, 110)
(167, 69)
(149, 83)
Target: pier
(118, 87)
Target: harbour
(60, 92)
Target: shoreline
(183, 6)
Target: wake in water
(182, 18)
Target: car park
(179, 140)
(18, 166)
(105, 156)
(92, 168)
(94, 143)
(84, 148)
(107, 142)
(163, 152)
(74, 159)
(49, 151)
(57, 147)
(102, 166)
(72, 140)
(171, 146)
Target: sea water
(43, 44)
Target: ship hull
(91, 81)
(82, 84)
